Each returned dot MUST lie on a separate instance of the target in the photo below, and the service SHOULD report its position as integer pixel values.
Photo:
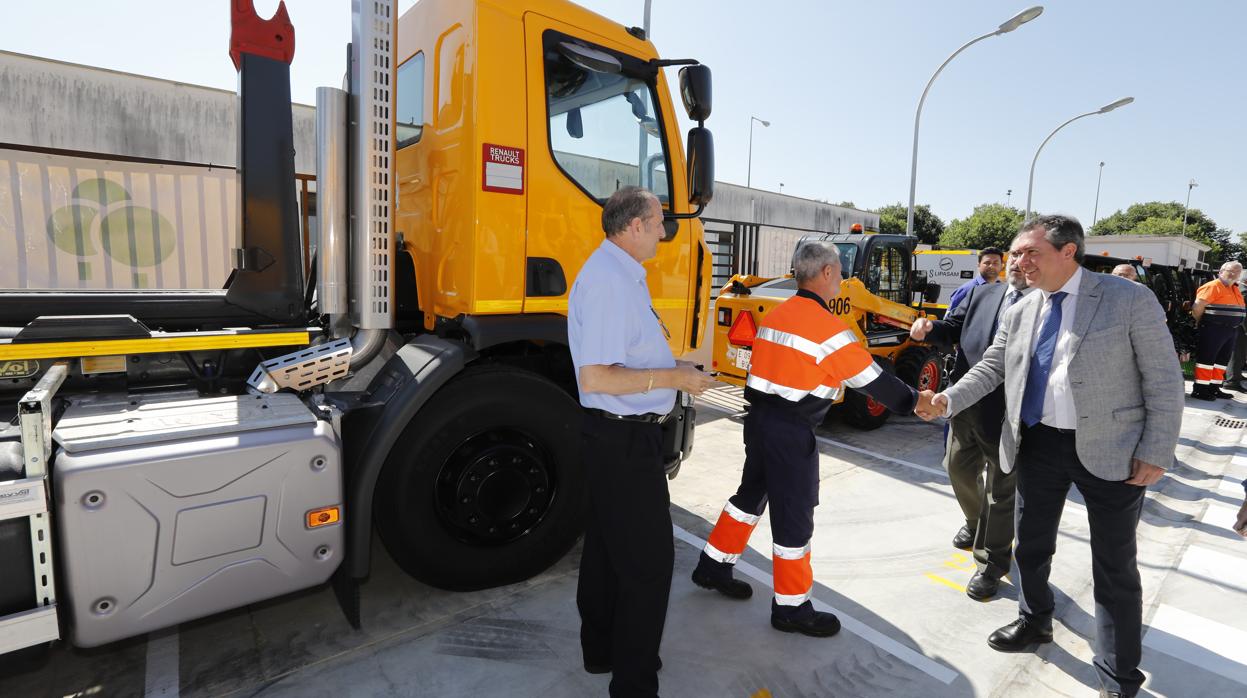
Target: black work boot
(1203, 391)
(804, 619)
(711, 574)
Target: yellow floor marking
(761, 694)
(946, 582)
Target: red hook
(270, 38)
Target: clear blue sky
(839, 81)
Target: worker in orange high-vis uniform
(803, 357)
(1219, 311)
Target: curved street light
(749, 172)
(1190, 185)
(1009, 25)
(1030, 183)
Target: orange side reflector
(324, 516)
(743, 330)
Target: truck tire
(485, 487)
(860, 411)
(921, 368)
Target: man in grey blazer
(1093, 398)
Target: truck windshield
(605, 128)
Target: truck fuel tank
(171, 507)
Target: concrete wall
(1161, 249)
(52, 104)
(736, 203)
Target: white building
(1160, 249)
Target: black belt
(1041, 425)
(647, 418)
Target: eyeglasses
(661, 324)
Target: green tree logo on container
(103, 215)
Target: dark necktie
(1041, 363)
(1013, 297)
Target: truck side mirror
(700, 166)
(931, 293)
(695, 91)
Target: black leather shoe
(1236, 387)
(1203, 392)
(982, 586)
(607, 668)
(964, 540)
(1019, 636)
(731, 588)
(1223, 395)
(817, 624)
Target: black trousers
(984, 492)
(1213, 347)
(629, 551)
(1047, 465)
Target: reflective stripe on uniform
(864, 378)
(766, 386)
(791, 599)
(792, 341)
(790, 553)
(838, 341)
(736, 513)
(719, 556)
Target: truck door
(594, 129)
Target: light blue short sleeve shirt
(611, 322)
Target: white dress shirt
(1058, 399)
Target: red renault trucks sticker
(504, 169)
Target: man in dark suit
(1093, 399)
(972, 457)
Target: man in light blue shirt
(628, 380)
(991, 261)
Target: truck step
(28, 628)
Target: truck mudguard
(396, 394)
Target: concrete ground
(882, 560)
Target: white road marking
(162, 664)
(1214, 565)
(910, 656)
(1196, 640)
(1220, 515)
(880, 456)
(1230, 484)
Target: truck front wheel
(485, 487)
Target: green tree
(1165, 218)
(927, 226)
(991, 225)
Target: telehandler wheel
(920, 368)
(485, 487)
(859, 410)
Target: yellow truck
(166, 455)
(877, 299)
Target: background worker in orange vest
(1219, 311)
(803, 356)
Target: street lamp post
(1095, 214)
(1030, 184)
(749, 173)
(1012, 23)
(1189, 186)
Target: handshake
(930, 405)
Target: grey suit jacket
(1124, 376)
